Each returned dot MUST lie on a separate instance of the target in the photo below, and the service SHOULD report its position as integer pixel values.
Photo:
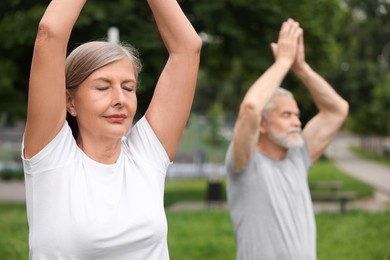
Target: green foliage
(216, 122)
(8, 174)
(238, 50)
(344, 40)
(237, 55)
(380, 102)
(364, 32)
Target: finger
(301, 43)
(289, 28)
(298, 33)
(301, 37)
(286, 25)
(274, 48)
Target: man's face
(283, 126)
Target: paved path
(374, 174)
(12, 191)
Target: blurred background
(347, 41)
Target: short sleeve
(60, 151)
(306, 157)
(143, 144)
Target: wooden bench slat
(342, 197)
(331, 196)
(332, 185)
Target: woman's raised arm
(46, 111)
(172, 100)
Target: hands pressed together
(289, 50)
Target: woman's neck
(102, 151)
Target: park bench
(329, 191)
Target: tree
(364, 31)
(237, 50)
(18, 27)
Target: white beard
(282, 139)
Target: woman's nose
(118, 98)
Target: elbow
(45, 32)
(46, 28)
(341, 114)
(250, 111)
(196, 45)
(344, 110)
(192, 46)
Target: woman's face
(105, 103)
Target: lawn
(13, 232)
(208, 234)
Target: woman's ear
(70, 104)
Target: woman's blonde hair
(91, 56)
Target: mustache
(293, 130)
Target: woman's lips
(116, 118)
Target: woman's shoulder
(61, 148)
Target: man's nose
(297, 121)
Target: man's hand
(300, 61)
(286, 50)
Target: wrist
(283, 64)
(302, 71)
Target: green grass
(184, 190)
(205, 234)
(354, 235)
(208, 234)
(325, 170)
(13, 232)
(370, 155)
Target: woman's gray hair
(91, 56)
(270, 105)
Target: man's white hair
(270, 105)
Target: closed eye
(102, 88)
(129, 88)
(290, 114)
(286, 114)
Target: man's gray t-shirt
(271, 208)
